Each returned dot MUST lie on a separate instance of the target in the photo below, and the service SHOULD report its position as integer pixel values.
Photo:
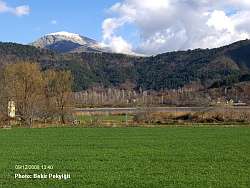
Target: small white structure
(11, 109)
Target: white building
(11, 109)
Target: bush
(225, 116)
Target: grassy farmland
(128, 157)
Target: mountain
(65, 42)
(211, 68)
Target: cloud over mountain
(167, 25)
(18, 11)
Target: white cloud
(18, 11)
(166, 25)
(116, 43)
(53, 22)
(220, 21)
(21, 10)
(119, 45)
(3, 7)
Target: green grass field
(128, 157)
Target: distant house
(240, 103)
(11, 109)
(230, 102)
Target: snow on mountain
(71, 37)
(65, 42)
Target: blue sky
(78, 16)
(130, 26)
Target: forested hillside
(211, 68)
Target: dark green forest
(210, 67)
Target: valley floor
(127, 157)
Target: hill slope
(211, 68)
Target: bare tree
(23, 83)
(57, 92)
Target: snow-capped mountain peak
(65, 33)
(69, 42)
(72, 37)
